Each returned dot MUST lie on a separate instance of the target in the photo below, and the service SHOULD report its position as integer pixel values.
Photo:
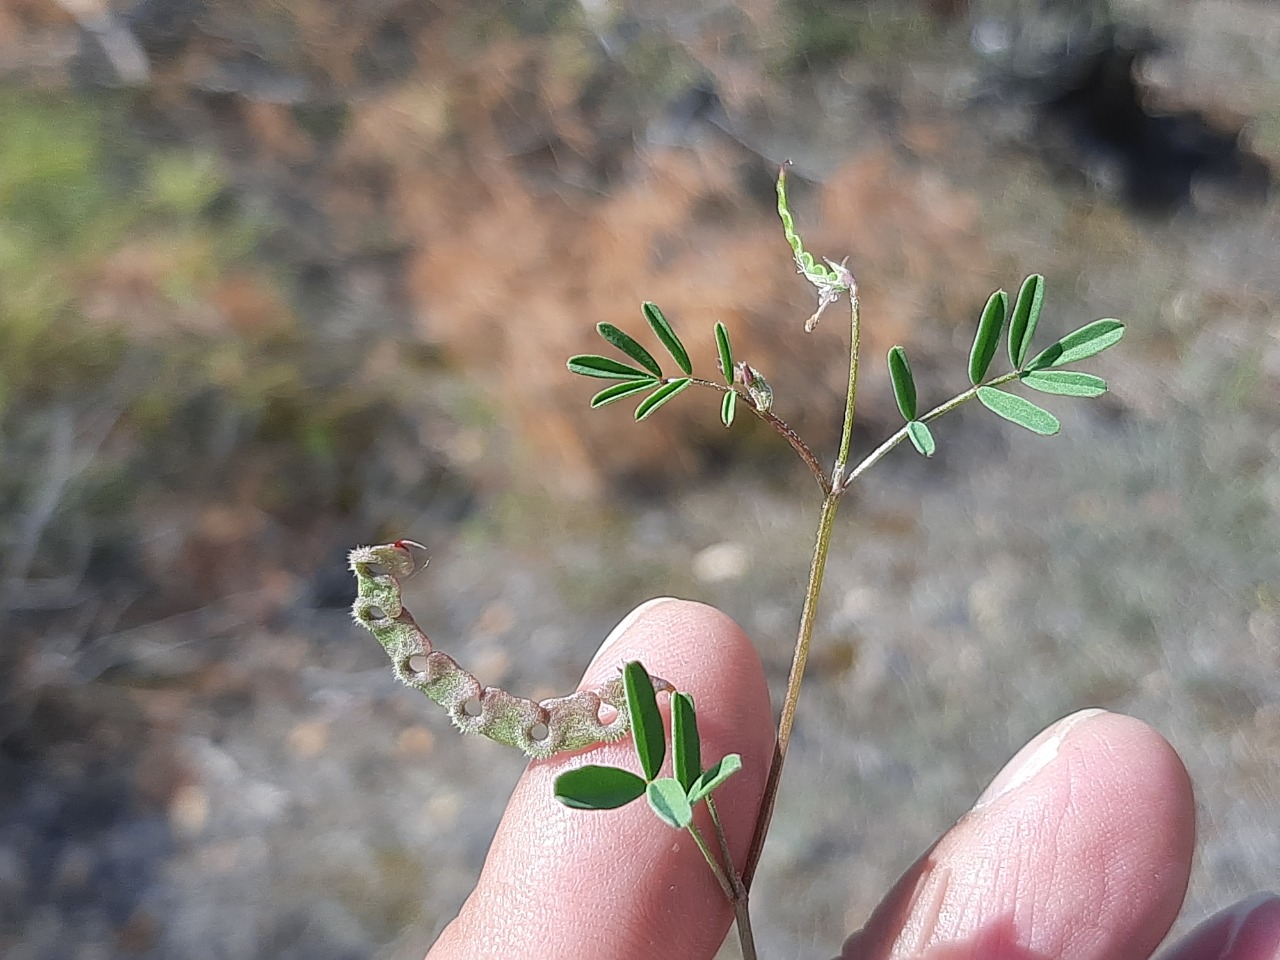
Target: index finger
(574, 884)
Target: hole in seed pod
(607, 713)
(539, 732)
(374, 613)
(472, 707)
(417, 663)
(378, 569)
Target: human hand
(1079, 850)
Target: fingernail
(1032, 758)
(624, 625)
(1247, 930)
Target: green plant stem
(800, 657)
(839, 485)
(742, 920)
(714, 864)
(808, 614)
(878, 453)
(741, 896)
(734, 890)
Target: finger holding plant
(741, 383)
(675, 799)
(672, 799)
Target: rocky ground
(276, 282)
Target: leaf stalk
(734, 890)
(741, 896)
(712, 862)
(876, 455)
(780, 426)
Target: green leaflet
(1080, 344)
(712, 777)
(904, 384)
(660, 396)
(921, 437)
(630, 347)
(667, 335)
(987, 337)
(669, 802)
(726, 352)
(727, 407)
(686, 749)
(1017, 410)
(1026, 314)
(598, 788)
(1068, 383)
(646, 722)
(589, 365)
(620, 390)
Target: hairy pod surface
(539, 729)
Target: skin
(1079, 850)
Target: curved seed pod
(539, 729)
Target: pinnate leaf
(667, 335)
(921, 437)
(987, 339)
(646, 722)
(598, 788)
(1068, 383)
(660, 396)
(588, 365)
(1017, 410)
(1090, 339)
(669, 802)
(620, 390)
(1026, 314)
(715, 775)
(904, 384)
(630, 347)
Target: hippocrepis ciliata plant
(543, 729)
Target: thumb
(574, 884)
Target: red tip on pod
(408, 546)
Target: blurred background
(280, 278)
